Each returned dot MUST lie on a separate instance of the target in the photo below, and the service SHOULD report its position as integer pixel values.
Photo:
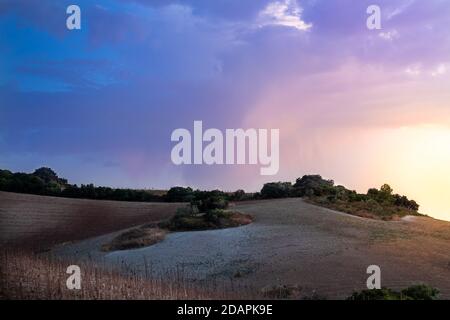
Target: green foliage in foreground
(417, 292)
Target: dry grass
(136, 238)
(31, 277)
(240, 219)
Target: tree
(48, 175)
(276, 190)
(386, 190)
(313, 185)
(179, 194)
(206, 201)
(238, 195)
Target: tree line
(44, 181)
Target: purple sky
(99, 104)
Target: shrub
(48, 175)
(206, 201)
(179, 194)
(214, 202)
(375, 294)
(421, 292)
(385, 196)
(276, 190)
(355, 197)
(416, 292)
(313, 185)
(238, 195)
(403, 201)
(214, 215)
(184, 211)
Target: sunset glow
(363, 107)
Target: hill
(31, 220)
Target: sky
(362, 107)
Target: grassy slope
(366, 209)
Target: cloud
(389, 35)
(393, 12)
(414, 70)
(283, 13)
(221, 61)
(440, 70)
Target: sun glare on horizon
(418, 160)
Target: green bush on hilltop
(376, 203)
(273, 190)
(43, 181)
(179, 194)
(314, 185)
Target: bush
(213, 219)
(416, 292)
(276, 190)
(206, 201)
(48, 175)
(403, 201)
(184, 211)
(385, 196)
(179, 194)
(355, 197)
(421, 292)
(214, 215)
(313, 185)
(238, 195)
(375, 294)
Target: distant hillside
(376, 203)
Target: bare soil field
(290, 244)
(294, 244)
(40, 221)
